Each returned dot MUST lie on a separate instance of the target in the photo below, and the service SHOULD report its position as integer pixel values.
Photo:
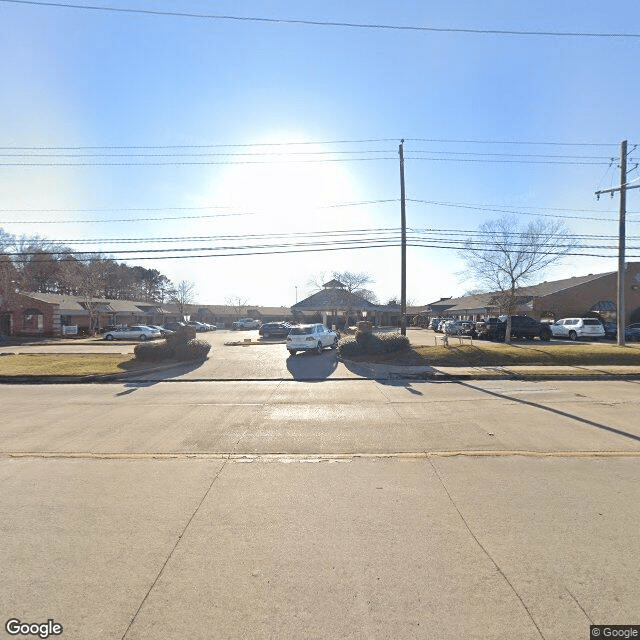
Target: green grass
(487, 354)
(67, 365)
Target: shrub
(153, 351)
(191, 350)
(365, 343)
(174, 348)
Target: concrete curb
(437, 376)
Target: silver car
(311, 337)
(137, 332)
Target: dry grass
(487, 354)
(67, 365)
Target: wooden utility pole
(621, 311)
(403, 267)
(622, 241)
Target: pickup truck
(245, 323)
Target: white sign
(70, 330)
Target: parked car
(610, 330)
(632, 332)
(112, 327)
(173, 326)
(274, 329)
(433, 324)
(163, 332)
(137, 332)
(523, 327)
(198, 326)
(311, 337)
(454, 327)
(487, 329)
(245, 323)
(574, 328)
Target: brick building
(571, 297)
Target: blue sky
(85, 78)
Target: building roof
(75, 305)
(334, 299)
(333, 284)
(483, 301)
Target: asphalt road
(331, 509)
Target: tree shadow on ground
(558, 412)
(309, 366)
(385, 373)
(146, 376)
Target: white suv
(574, 328)
(311, 337)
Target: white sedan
(311, 337)
(138, 332)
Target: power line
(326, 23)
(184, 163)
(160, 218)
(465, 233)
(497, 209)
(307, 143)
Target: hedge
(176, 349)
(372, 344)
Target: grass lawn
(67, 365)
(487, 354)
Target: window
(33, 320)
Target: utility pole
(621, 311)
(403, 268)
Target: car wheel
(545, 336)
(573, 335)
(142, 338)
(292, 351)
(108, 337)
(319, 347)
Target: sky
(187, 140)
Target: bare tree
(505, 256)
(9, 275)
(236, 304)
(85, 274)
(182, 295)
(353, 283)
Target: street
(342, 508)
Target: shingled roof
(334, 299)
(486, 300)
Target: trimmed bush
(174, 348)
(191, 350)
(153, 351)
(365, 343)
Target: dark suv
(523, 327)
(275, 330)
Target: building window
(33, 320)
